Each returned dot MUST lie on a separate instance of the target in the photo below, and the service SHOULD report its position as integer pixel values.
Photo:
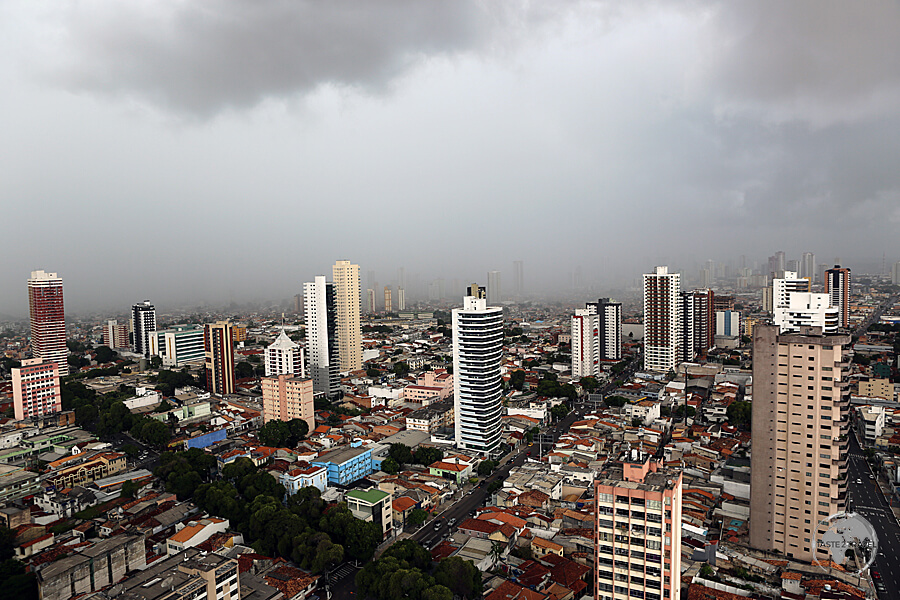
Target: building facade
(637, 543)
(218, 350)
(178, 346)
(609, 328)
(728, 323)
(494, 292)
(586, 343)
(804, 309)
(36, 390)
(798, 470)
(286, 397)
(115, 335)
(284, 357)
(143, 321)
(349, 330)
(388, 300)
(477, 385)
(48, 320)
(837, 286)
(323, 360)
(662, 319)
(401, 299)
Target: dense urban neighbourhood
(232, 451)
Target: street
(867, 499)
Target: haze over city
(194, 153)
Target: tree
(373, 372)
(589, 384)
(417, 516)
(486, 467)
(243, 370)
(155, 362)
(426, 456)
(685, 409)
(496, 552)
(616, 401)
(739, 413)
(560, 411)
(130, 450)
(129, 488)
(401, 453)
(390, 466)
(282, 434)
(105, 354)
(494, 486)
(401, 369)
(517, 380)
(460, 576)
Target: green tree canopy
(283, 434)
(460, 576)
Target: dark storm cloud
(809, 60)
(201, 56)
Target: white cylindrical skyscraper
(477, 385)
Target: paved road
(867, 499)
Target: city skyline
(701, 113)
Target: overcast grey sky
(231, 149)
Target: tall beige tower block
(800, 424)
(349, 332)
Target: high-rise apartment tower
(837, 286)
(798, 470)
(48, 320)
(218, 350)
(143, 320)
(662, 319)
(477, 385)
(323, 359)
(346, 299)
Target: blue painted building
(346, 465)
(206, 439)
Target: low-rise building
(93, 568)
(346, 465)
(303, 476)
(371, 505)
(431, 418)
(194, 534)
(871, 422)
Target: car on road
(859, 481)
(871, 476)
(876, 575)
(437, 524)
(452, 522)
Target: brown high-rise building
(388, 303)
(218, 347)
(837, 286)
(800, 422)
(48, 321)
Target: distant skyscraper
(895, 273)
(477, 384)
(284, 357)
(793, 265)
(48, 320)
(401, 278)
(477, 291)
(298, 304)
(609, 328)
(36, 390)
(662, 319)
(401, 299)
(799, 461)
(494, 294)
(323, 360)
(143, 321)
(388, 299)
(349, 330)
(218, 349)
(837, 286)
(370, 300)
(115, 335)
(518, 277)
(808, 266)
